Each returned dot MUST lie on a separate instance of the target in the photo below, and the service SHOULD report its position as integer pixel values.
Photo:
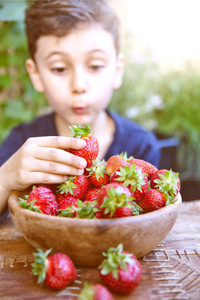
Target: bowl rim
(14, 206)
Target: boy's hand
(42, 160)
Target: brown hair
(59, 17)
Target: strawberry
(167, 182)
(50, 186)
(95, 292)
(120, 271)
(147, 167)
(76, 186)
(91, 150)
(114, 162)
(115, 200)
(65, 207)
(133, 178)
(56, 270)
(91, 195)
(97, 174)
(152, 200)
(41, 199)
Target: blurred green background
(166, 102)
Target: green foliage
(18, 100)
(165, 102)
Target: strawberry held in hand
(56, 270)
(120, 271)
(41, 199)
(95, 292)
(91, 150)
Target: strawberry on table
(76, 186)
(91, 150)
(42, 200)
(56, 270)
(97, 174)
(114, 162)
(95, 292)
(120, 271)
(152, 200)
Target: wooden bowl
(84, 240)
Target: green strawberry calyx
(86, 210)
(87, 292)
(30, 206)
(167, 183)
(115, 199)
(129, 175)
(79, 131)
(40, 265)
(68, 186)
(115, 260)
(98, 168)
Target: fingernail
(83, 163)
(80, 171)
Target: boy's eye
(59, 70)
(96, 67)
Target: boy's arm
(40, 160)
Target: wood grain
(171, 271)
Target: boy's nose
(79, 84)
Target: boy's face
(77, 73)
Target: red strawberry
(41, 200)
(91, 150)
(147, 167)
(115, 200)
(114, 162)
(91, 195)
(167, 182)
(120, 271)
(95, 292)
(76, 186)
(56, 270)
(133, 178)
(97, 174)
(152, 200)
(50, 186)
(65, 207)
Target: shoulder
(135, 140)
(126, 126)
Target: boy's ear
(34, 75)
(119, 71)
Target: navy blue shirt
(129, 137)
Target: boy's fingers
(53, 167)
(60, 142)
(59, 156)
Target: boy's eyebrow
(65, 54)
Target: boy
(75, 62)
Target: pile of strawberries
(120, 187)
